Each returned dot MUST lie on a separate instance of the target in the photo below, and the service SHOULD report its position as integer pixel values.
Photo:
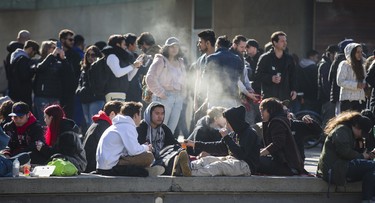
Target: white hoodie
(347, 80)
(120, 139)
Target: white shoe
(155, 170)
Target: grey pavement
(312, 158)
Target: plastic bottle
(16, 168)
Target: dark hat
(19, 109)
(252, 43)
(171, 41)
(33, 44)
(333, 48)
(365, 124)
(343, 44)
(236, 118)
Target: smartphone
(58, 44)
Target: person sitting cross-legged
(119, 153)
(238, 138)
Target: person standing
(166, 80)
(21, 72)
(276, 70)
(351, 79)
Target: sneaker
(23, 158)
(184, 163)
(176, 170)
(155, 170)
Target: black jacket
(204, 133)
(92, 137)
(142, 133)
(120, 84)
(324, 87)
(370, 79)
(48, 81)
(335, 89)
(268, 66)
(85, 91)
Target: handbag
(166, 157)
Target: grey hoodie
(16, 54)
(154, 135)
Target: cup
(26, 169)
(181, 140)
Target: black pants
(352, 105)
(269, 166)
(124, 170)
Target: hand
(276, 79)
(163, 96)
(62, 54)
(190, 143)
(138, 63)
(150, 147)
(253, 96)
(264, 152)
(55, 51)
(307, 119)
(293, 95)
(223, 132)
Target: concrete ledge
(171, 188)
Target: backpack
(98, 76)
(63, 167)
(6, 166)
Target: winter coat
(90, 142)
(324, 87)
(48, 82)
(268, 66)
(338, 151)
(280, 143)
(347, 80)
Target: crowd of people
(112, 109)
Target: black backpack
(98, 76)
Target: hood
(16, 54)
(348, 50)
(101, 116)
(13, 45)
(68, 125)
(147, 113)
(236, 118)
(121, 119)
(306, 62)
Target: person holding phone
(48, 85)
(339, 161)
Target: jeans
(40, 103)
(360, 169)
(90, 109)
(172, 106)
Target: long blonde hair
(46, 45)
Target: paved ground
(312, 158)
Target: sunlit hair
(6, 109)
(46, 45)
(85, 64)
(275, 36)
(357, 65)
(114, 106)
(346, 118)
(131, 108)
(215, 112)
(53, 130)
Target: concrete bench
(164, 189)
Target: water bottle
(16, 168)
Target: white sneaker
(155, 170)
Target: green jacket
(337, 151)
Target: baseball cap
(171, 41)
(19, 109)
